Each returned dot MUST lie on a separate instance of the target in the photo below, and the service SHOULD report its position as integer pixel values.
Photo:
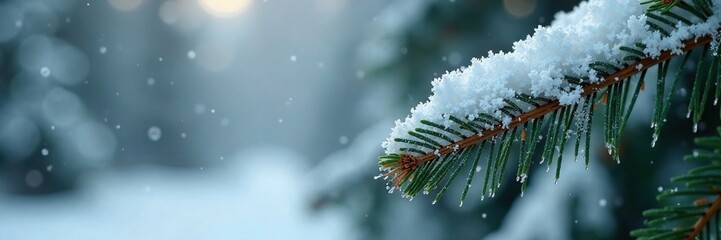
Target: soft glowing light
(169, 12)
(224, 8)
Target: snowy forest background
(262, 119)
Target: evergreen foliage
(434, 158)
(547, 128)
(692, 211)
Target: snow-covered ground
(260, 194)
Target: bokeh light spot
(519, 8)
(224, 8)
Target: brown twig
(701, 222)
(542, 110)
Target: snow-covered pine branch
(546, 91)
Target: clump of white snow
(593, 32)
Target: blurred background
(262, 119)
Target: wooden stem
(701, 222)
